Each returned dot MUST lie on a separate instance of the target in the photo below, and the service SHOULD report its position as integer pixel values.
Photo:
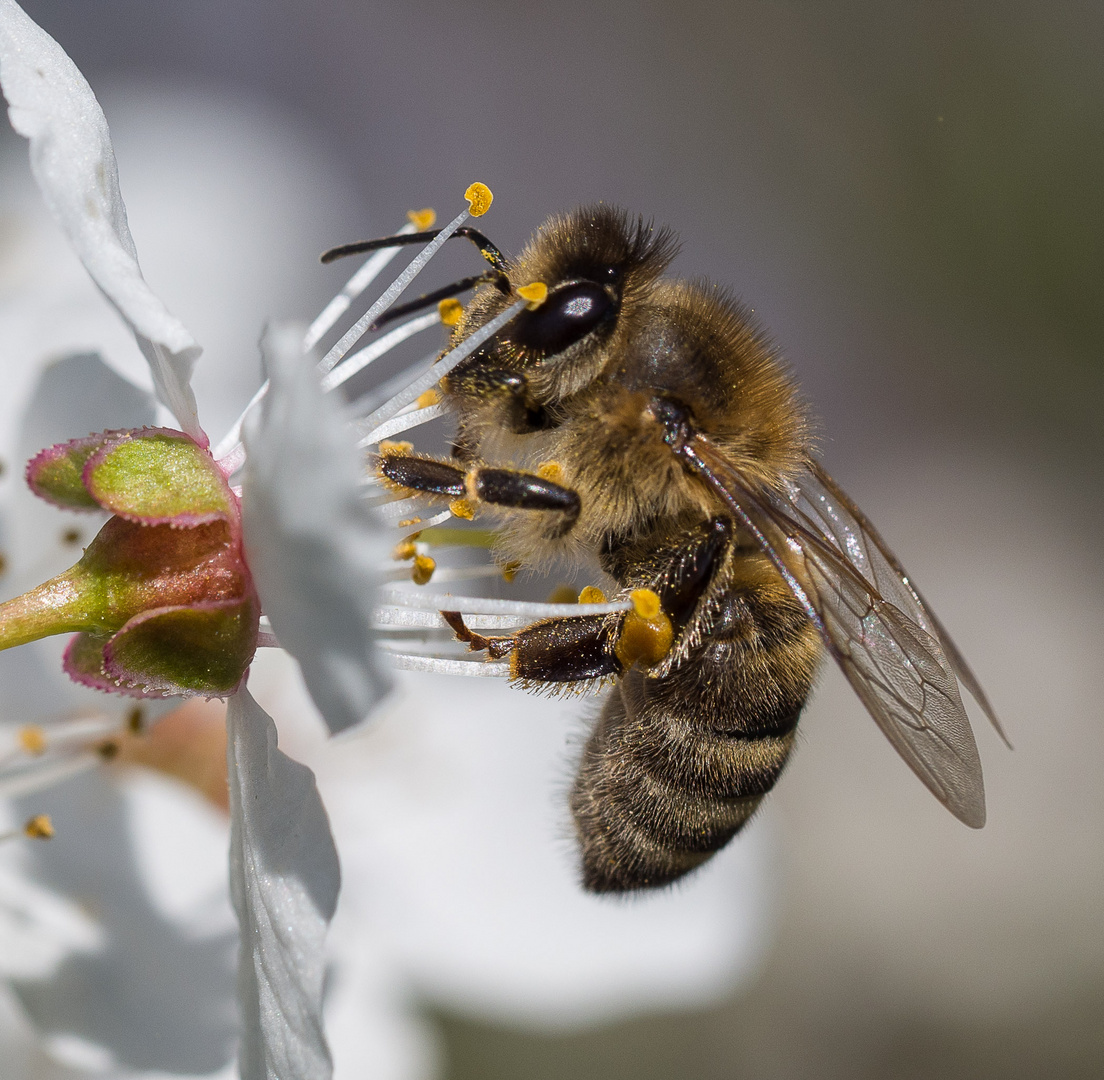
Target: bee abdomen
(658, 793)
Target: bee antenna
(486, 248)
(399, 311)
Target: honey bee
(647, 424)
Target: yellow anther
(388, 447)
(536, 292)
(423, 569)
(479, 199)
(407, 522)
(646, 633)
(402, 552)
(32, 739)
(450, 311)
(422, 219)
(562, 594)
(462, 508)
(551, 470)
(645, 603)
(136, 720)
(3, 563)
(430, 397)
(592, 595)
(40, 827)
(510, 571)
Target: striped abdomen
(676, 765)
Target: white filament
(368, 272)
(390, 294)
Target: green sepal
(157, 475)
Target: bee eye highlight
(570, 313)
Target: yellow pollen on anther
(402, 552)
(32, 739)
(510, 571)
(430, 397)
(422, 219)
(536, 292)
(462, 508)
(389, 447)
(407, 522)
(424, 566)
(40, 827)
(551, 470)
(592, 595)
(479, 199)
(450, 310)
(562, 594)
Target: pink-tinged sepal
(185, 651)
(83, 662)
(203, 650)
(158, 476)
(56, 473)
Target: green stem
(55, 607)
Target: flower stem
(54, 607)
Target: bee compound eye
(568, 314)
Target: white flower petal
(284, 879)
(52, 105)
(311, 543)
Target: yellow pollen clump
(462, 508)
(592, 595)
(40, 827)
(404, 551)
(510, 571)
(422, 219)
(562, 594)
(479, 199)
(450, 311)
(388, 447)
(646, 633)
(645, 603)
(423, 569)
(407, 522)
(32, 739)
(536, 292)
(551, 470)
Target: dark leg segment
(553, 650)
(509, 488)
(423, 474)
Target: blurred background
(910, 197)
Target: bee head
(596, 262)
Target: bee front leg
(509, 488)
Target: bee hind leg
(573, 649)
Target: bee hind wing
(871, 619)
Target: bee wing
(870, 617)
(824, 505)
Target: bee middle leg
(509, 488)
